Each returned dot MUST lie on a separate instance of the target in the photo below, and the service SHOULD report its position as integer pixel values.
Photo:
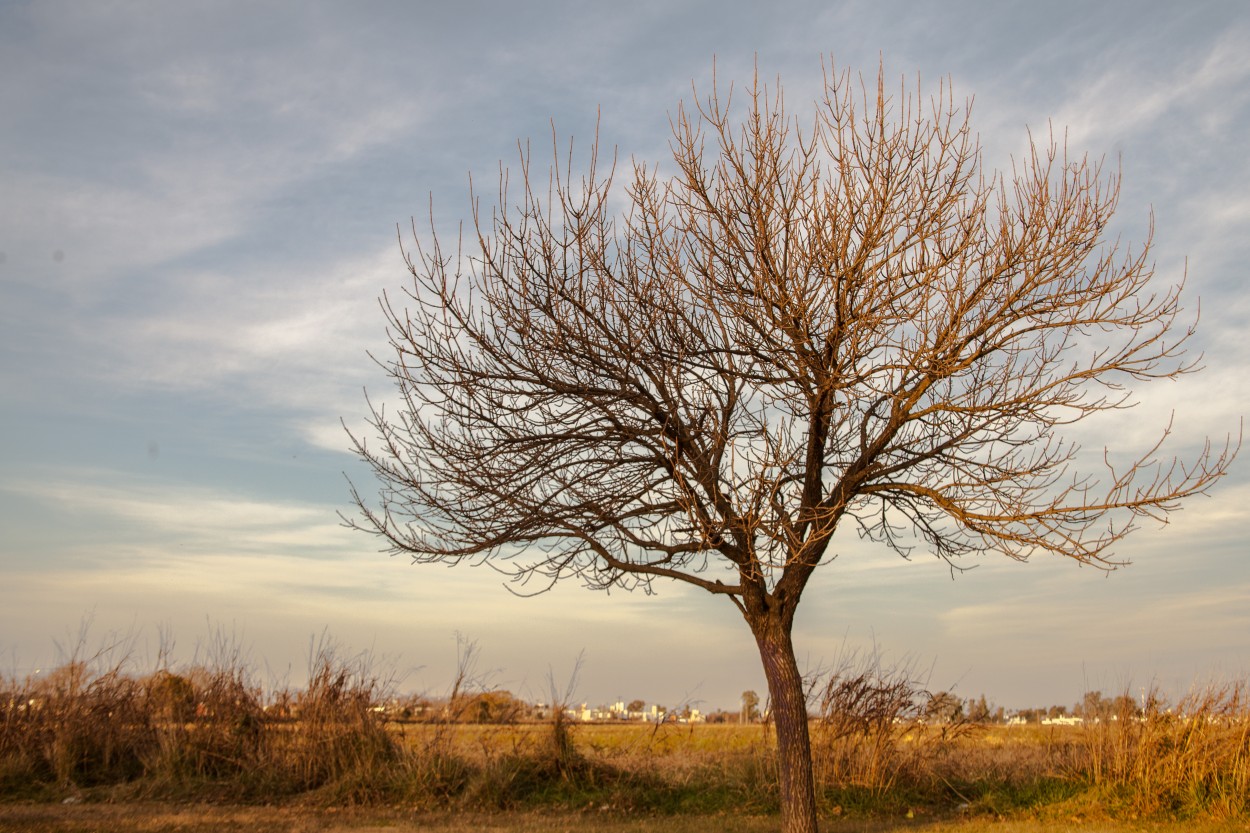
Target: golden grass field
(106, 749)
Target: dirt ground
(166, 818)
(197, 818)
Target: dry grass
(99, 730)
(162, 818)
(96, 723)
(1188, 758)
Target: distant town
(939, 708)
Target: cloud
(280, 570)
(291, 335)
(146, 515)
(158, 533)
(189, 135)
(1132, 98)
(198, 216)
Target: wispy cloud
(198, 215)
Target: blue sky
(198, 210)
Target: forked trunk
(789, 712)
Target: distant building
(1063, 720)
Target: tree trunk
(789, 712)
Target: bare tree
(806, 326)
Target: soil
(80, 817)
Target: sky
(199, 206)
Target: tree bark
(789, 713)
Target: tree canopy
(801, 325)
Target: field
(163, 818)
(99, 747)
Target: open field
(163, 818)
(634, 777)
(130, 750)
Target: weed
(884, 746)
